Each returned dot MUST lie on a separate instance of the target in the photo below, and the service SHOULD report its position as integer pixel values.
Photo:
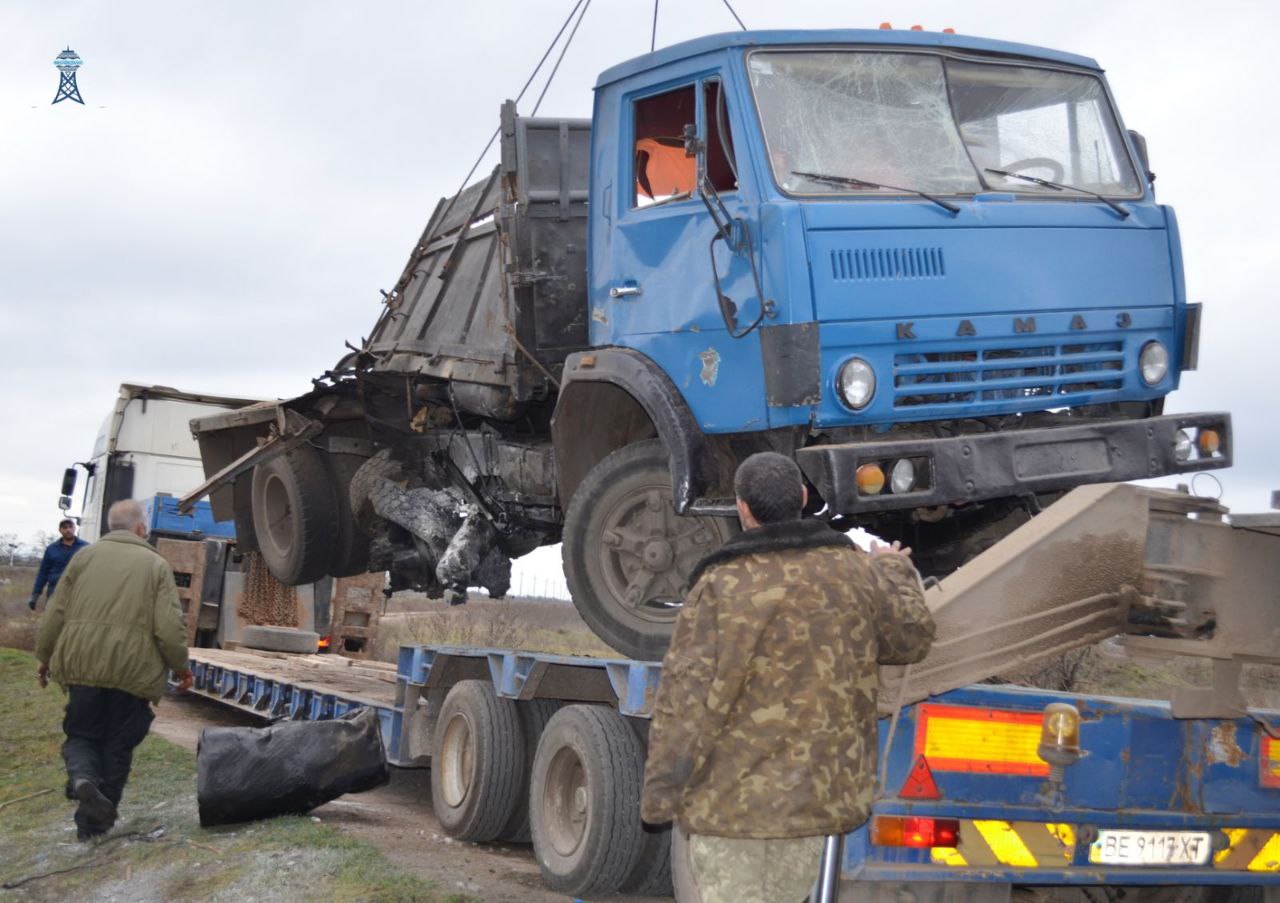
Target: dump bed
(494, 292)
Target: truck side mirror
(69, 483)
(1140, 145)
(64, 502)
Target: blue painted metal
(163, 518)
(1005, 256)
(1143, 768)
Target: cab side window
(662, 171)
(721, 166)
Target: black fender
(611, 397)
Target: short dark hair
(772, 487)
(66, 520)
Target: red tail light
(912, 831)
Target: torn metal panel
(288, 430)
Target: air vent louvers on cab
(887, 264)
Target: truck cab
(144, 450)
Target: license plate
(1151, 848)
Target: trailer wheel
(534, 715)
(652, 875)
(351, 551)
(295, 516)
(584, 798)
(477, 757)
(280, 639)
(628, 555)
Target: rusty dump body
(1170, 573)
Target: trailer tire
(295, 516)
(651, 876)
(477, 758)
(280, 639)
(628, 495)
(351, 549)
(534, 715)
(584, 794)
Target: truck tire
(295, 516)
(584, 800)
(351, 552)
(477, 759)
(534, 715)
(281, 639)
(627, 555)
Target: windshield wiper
(1124, 214)
(863, 183)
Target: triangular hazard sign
(920, 784)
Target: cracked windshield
(838, 122)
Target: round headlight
(1154, 361)
(1182, 446)
(902, 478)
(856, 382)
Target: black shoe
(96, 807)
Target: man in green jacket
(764, 726)
(110, 635)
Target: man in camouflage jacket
(764, 728)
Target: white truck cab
(145, 451)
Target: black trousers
(102, 726)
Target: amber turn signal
(870, 479)
(1208, 442)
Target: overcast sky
(244, 177)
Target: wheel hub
(658, 555)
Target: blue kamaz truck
(930, 267)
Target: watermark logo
(68, 62)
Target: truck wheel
(280, 639)
(295, 516)
(477, 758)
(584, 798)
(628, 555)
(351, 553)
(534, 715)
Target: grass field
(158, 851)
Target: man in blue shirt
(55, 560)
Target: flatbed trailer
(966, 799)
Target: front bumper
(1012, 463)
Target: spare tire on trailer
(584, 801)
(280, 639)
(295, 515)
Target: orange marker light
(870, 479)
(1208, 442)
(948, 31)
(917, 28)
(885, 26)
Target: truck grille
(977, 375)
(866, 264)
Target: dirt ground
(397, 819)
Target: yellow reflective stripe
(1006, 844)
(948, 856)
(1268, 858)
(1066, 835)
(1234, 836)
